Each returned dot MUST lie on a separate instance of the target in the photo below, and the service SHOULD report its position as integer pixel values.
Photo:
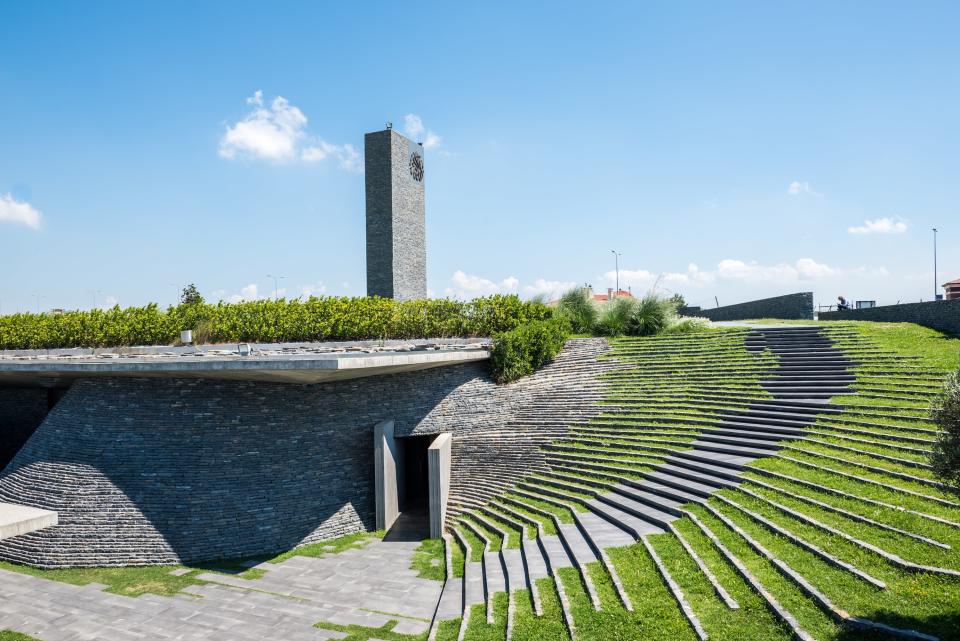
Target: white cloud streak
(732, 270)
(798, 188)
(552, 289)
(463, 285)
(19, 213)
(415, 130)
(277, 132)
(880, 226)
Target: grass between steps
(550, 627)
(430, 560)
(157, 579)
(653, 393)
(655, 614)
(10, 635)
(478, 628)
(363, 633)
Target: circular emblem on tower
(416, 167)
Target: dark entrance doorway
(416, 473)
(413, 524)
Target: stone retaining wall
(789, 307)
(162, 471)
(941, 315)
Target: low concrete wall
(17, 520)
(789, 307)
(438, 462)
(940, 315)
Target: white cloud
(731, 270)
(249, 292)
(413, 127)
(549, 288)
(110, 302)
(641, 279)
(796, 188)
(14, 211)
(802, 269)
(314, 289)
(879, 226)
(348, 157)
(465, 285)
(278, 132)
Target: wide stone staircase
(665, 424)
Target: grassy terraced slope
(842, 533)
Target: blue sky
(731, 150)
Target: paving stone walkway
(368, 586)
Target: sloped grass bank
(846, 527)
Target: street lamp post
(616, 266)
(935, 264)
(276, 284)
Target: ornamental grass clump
(625, 315)
(578, 308)
(615, 317)
(945, 412)
(651, 315)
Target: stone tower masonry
(396, 234)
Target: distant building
(601, 298)
(610, 295)
(952, 289)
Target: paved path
(354, 587)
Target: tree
(678, 301)
(945, 457)
(191, 295)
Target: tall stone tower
(396, 234)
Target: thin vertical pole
(935, 263)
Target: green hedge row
(525, 349)
(315, 319)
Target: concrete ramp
(20, 519)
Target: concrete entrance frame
(389, 474)
(386, 472)
(438, 459)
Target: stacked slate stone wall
(146, 471)
(21, 411)
(940, 315)
(790, 307)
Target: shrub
(578, 308)
(650, 316)
(687, 325)
(315, 319)
(945, 411)
(527, 348)
(615, 317)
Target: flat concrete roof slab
(20, 519)
(299, 363)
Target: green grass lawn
(658, 405)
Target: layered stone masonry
(940, 315)
(146, 471)
(790, 307)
